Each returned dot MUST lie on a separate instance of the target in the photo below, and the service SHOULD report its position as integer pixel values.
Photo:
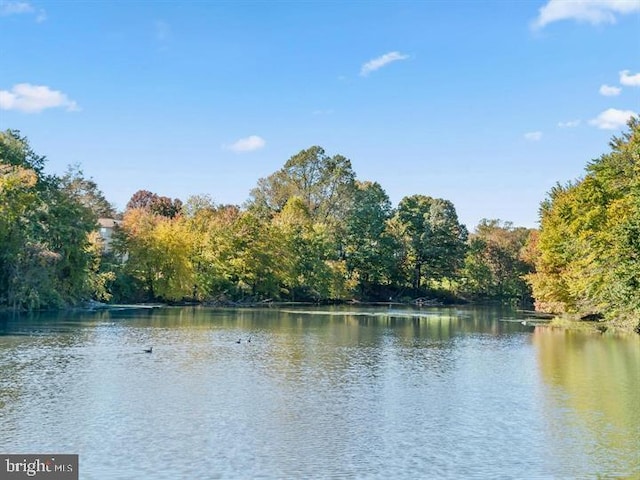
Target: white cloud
(591, 11)
(17, 7)
(569, 124)
(381, 61)
(28, 98)
(248, 144)
(612, 119)
(609, 91)
(630, 80)
(533, 136)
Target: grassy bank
(615, 326)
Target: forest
(312, 231)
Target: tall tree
(433, 237)
(44, 255)
(158, 250)
(495, 265)
(15, 150)
(325, 184)
(588, 254)
(306, 261)
(154, 203)
(86, 191)
(370, 249)
(252, 259)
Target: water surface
(320, 393)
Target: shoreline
(599, 327)
(567, 322)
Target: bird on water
(148, 350)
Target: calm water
(320, 393)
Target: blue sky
(487, 104)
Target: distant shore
(586, 323)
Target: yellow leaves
(295, 214)
(12, 177)
(172, 246)
(621, 210)
(588, 251)
(160, 251)
(137, 222)
(17, 191)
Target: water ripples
(337, 395)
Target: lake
(321, 392)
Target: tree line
(312, 231)
(49, 246)
(587, 251)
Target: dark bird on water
(239, 341)
(148, 350)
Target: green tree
(86, 192)
(252, 257)
(233, 252)
(307, 265)
(73, 222)
(588, 255)
(211, 228)
(15, 150)
(21, 207)
(370, 249)
(308, 201)
(433, 238)
(495, 265)
(133, 240)
(325, 184)
(45, 259)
